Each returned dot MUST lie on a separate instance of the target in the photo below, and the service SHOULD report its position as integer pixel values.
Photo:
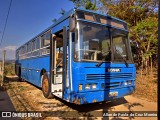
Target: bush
(9, 69)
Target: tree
(146, 34)
(141, 16)
(87, 4)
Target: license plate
(113, 94)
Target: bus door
(59, 62)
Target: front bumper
(99, 96)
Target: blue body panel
(31, 68)
(87, 73)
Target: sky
(27, 18)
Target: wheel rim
(45, 85)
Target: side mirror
(72, 23)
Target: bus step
(59, 73)
(58, 94)
(59, 69)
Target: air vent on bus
(111, 85)
(108, 76)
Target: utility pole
(3, 66)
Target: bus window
(29, 46)
(37, 46)
(29, 49)
(46, 39)
(59, 52)
(93, 43)
(120, 45)
(45, 43)
(42, 40)
(33, 45)
(23, 51)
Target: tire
(46, 87)
(19, 74)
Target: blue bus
(84, 57)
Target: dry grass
(26, 97)
(146, 86)
(10, 69)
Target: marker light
(80, 87)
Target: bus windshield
(94, 43)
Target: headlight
(87, 87)
(130, 82)
(94, 86)
(125, 83)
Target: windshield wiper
(119, 53)
(108, 53)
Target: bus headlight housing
(87, 87)
(94, 86)
(125, 83)
(129, 82)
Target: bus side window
(23, 51)
(46, 39)
(29, 49)
(45, 43)
(37, 43)
(35, 47)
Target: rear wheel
(19, 74)
(46, 87)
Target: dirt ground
(146, 87)
(26, 97)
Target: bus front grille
(108, 76)
(111, 85)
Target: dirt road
(26, 97)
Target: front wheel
(46, 87)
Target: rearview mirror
(72, 23)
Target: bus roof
(67, 15)
(98, 13)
